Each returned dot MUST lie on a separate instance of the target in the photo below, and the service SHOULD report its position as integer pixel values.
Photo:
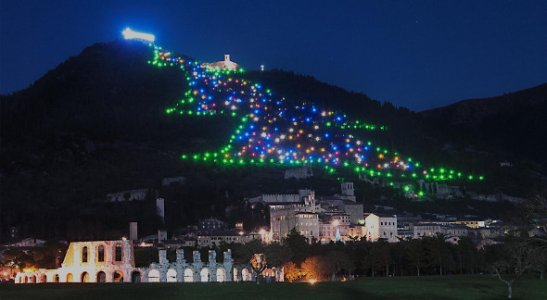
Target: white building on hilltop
(381, 227)
(225, 64)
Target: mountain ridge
(97, 124)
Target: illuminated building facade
(113, 261)
(381, 227)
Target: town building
(220, 237)
(126, 196)
(211, 224)
(169, 181)
(380, 226)
(330, 218)
(299, 173)
(301, 215)
(431, 229)
(26, 243)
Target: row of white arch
(204, 275)
(152, 275)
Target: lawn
(414, 288)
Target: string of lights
(271, 131)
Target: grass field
(434, 288)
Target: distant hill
(96, 124)
(514, 123)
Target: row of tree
(427, 256)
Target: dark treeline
(417, 257)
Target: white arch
(235, 274)
(205, 275)
(171, 275)
(188, 275)
(221, 275)
(154, 276)
(246, 275)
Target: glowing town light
(129, 34)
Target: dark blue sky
(418, 54)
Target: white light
(129, 34)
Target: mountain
(514, 122)
(97, 124)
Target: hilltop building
(225, 64)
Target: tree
(299, 246)
(512, 261)
(379, 257)
(243, 253)
(381, 254)
(277, 254)
(438, 253)
(416, 254)
(538, 255)
(466, 255)
(336, 261)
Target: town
(273, 150)
(337, 219)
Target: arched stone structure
(221, 275)
(246, 275)
(235, 275)
(205, 275)
(84, 277)
(101, 277)
(136, 276)
(106, 264)
(117, 276)
(154, 275)
(189, 275)
(171, 275)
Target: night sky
(418, 54)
